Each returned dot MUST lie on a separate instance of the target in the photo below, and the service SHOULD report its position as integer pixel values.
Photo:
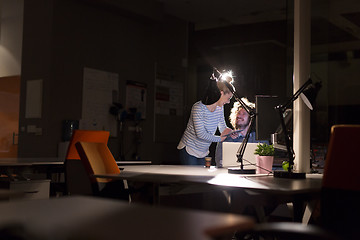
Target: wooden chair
(340, 194)
(76, 178)
(97, 159)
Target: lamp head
(310, 93)
(227, 77)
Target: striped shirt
(200, 130)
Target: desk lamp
(251, 112)
(308, 93)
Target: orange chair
(342, 164)
(77, 182)
(340, 197)
(340, 194)
(97, 159)
(85, 136)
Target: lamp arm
(281, 109)
(252, 114)
(287, 138)
(248, 109)
(241, 150)
(296, 95)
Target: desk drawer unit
(31, 189)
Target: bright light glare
(227, 76)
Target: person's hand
(234, 134)
(225, 133)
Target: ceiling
(212, 14)
(339, 21)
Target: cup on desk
(207, 162)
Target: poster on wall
(98, 90)
(168, 97)
(136, 99)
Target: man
(240, 120)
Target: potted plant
(265, 158)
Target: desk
(23, 166)
(27, 166)
(24, 169)
(260, 188)
(18, 172)
(127, 163)
(97, 218)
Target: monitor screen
(267, 118)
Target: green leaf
(264, 149)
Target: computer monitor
(267, 118)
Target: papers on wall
(136, 97)
(98, 89)
(168, 97)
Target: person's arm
(222, 124)
(199, 125)
(225, 134)
(225, 130)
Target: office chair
(97, 159)
(76, 178)
(340, 194)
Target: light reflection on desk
(231, 180)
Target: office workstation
(258, 188)
(135, 70)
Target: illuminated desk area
(260, 188)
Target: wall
(63, 37)
(9, 115)
(11, 25)
(338, 101)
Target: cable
(253, 164)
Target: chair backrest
(340, 196)
(342, 163)
(97, 159)
(76, 177)
(85, 136)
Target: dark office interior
(167, 48)
(177, 41)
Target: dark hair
(213, 91)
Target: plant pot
(264, 164)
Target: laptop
(229, 151)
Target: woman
(206, 116)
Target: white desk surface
(254, 189)
(96, 218)
(218, 177)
